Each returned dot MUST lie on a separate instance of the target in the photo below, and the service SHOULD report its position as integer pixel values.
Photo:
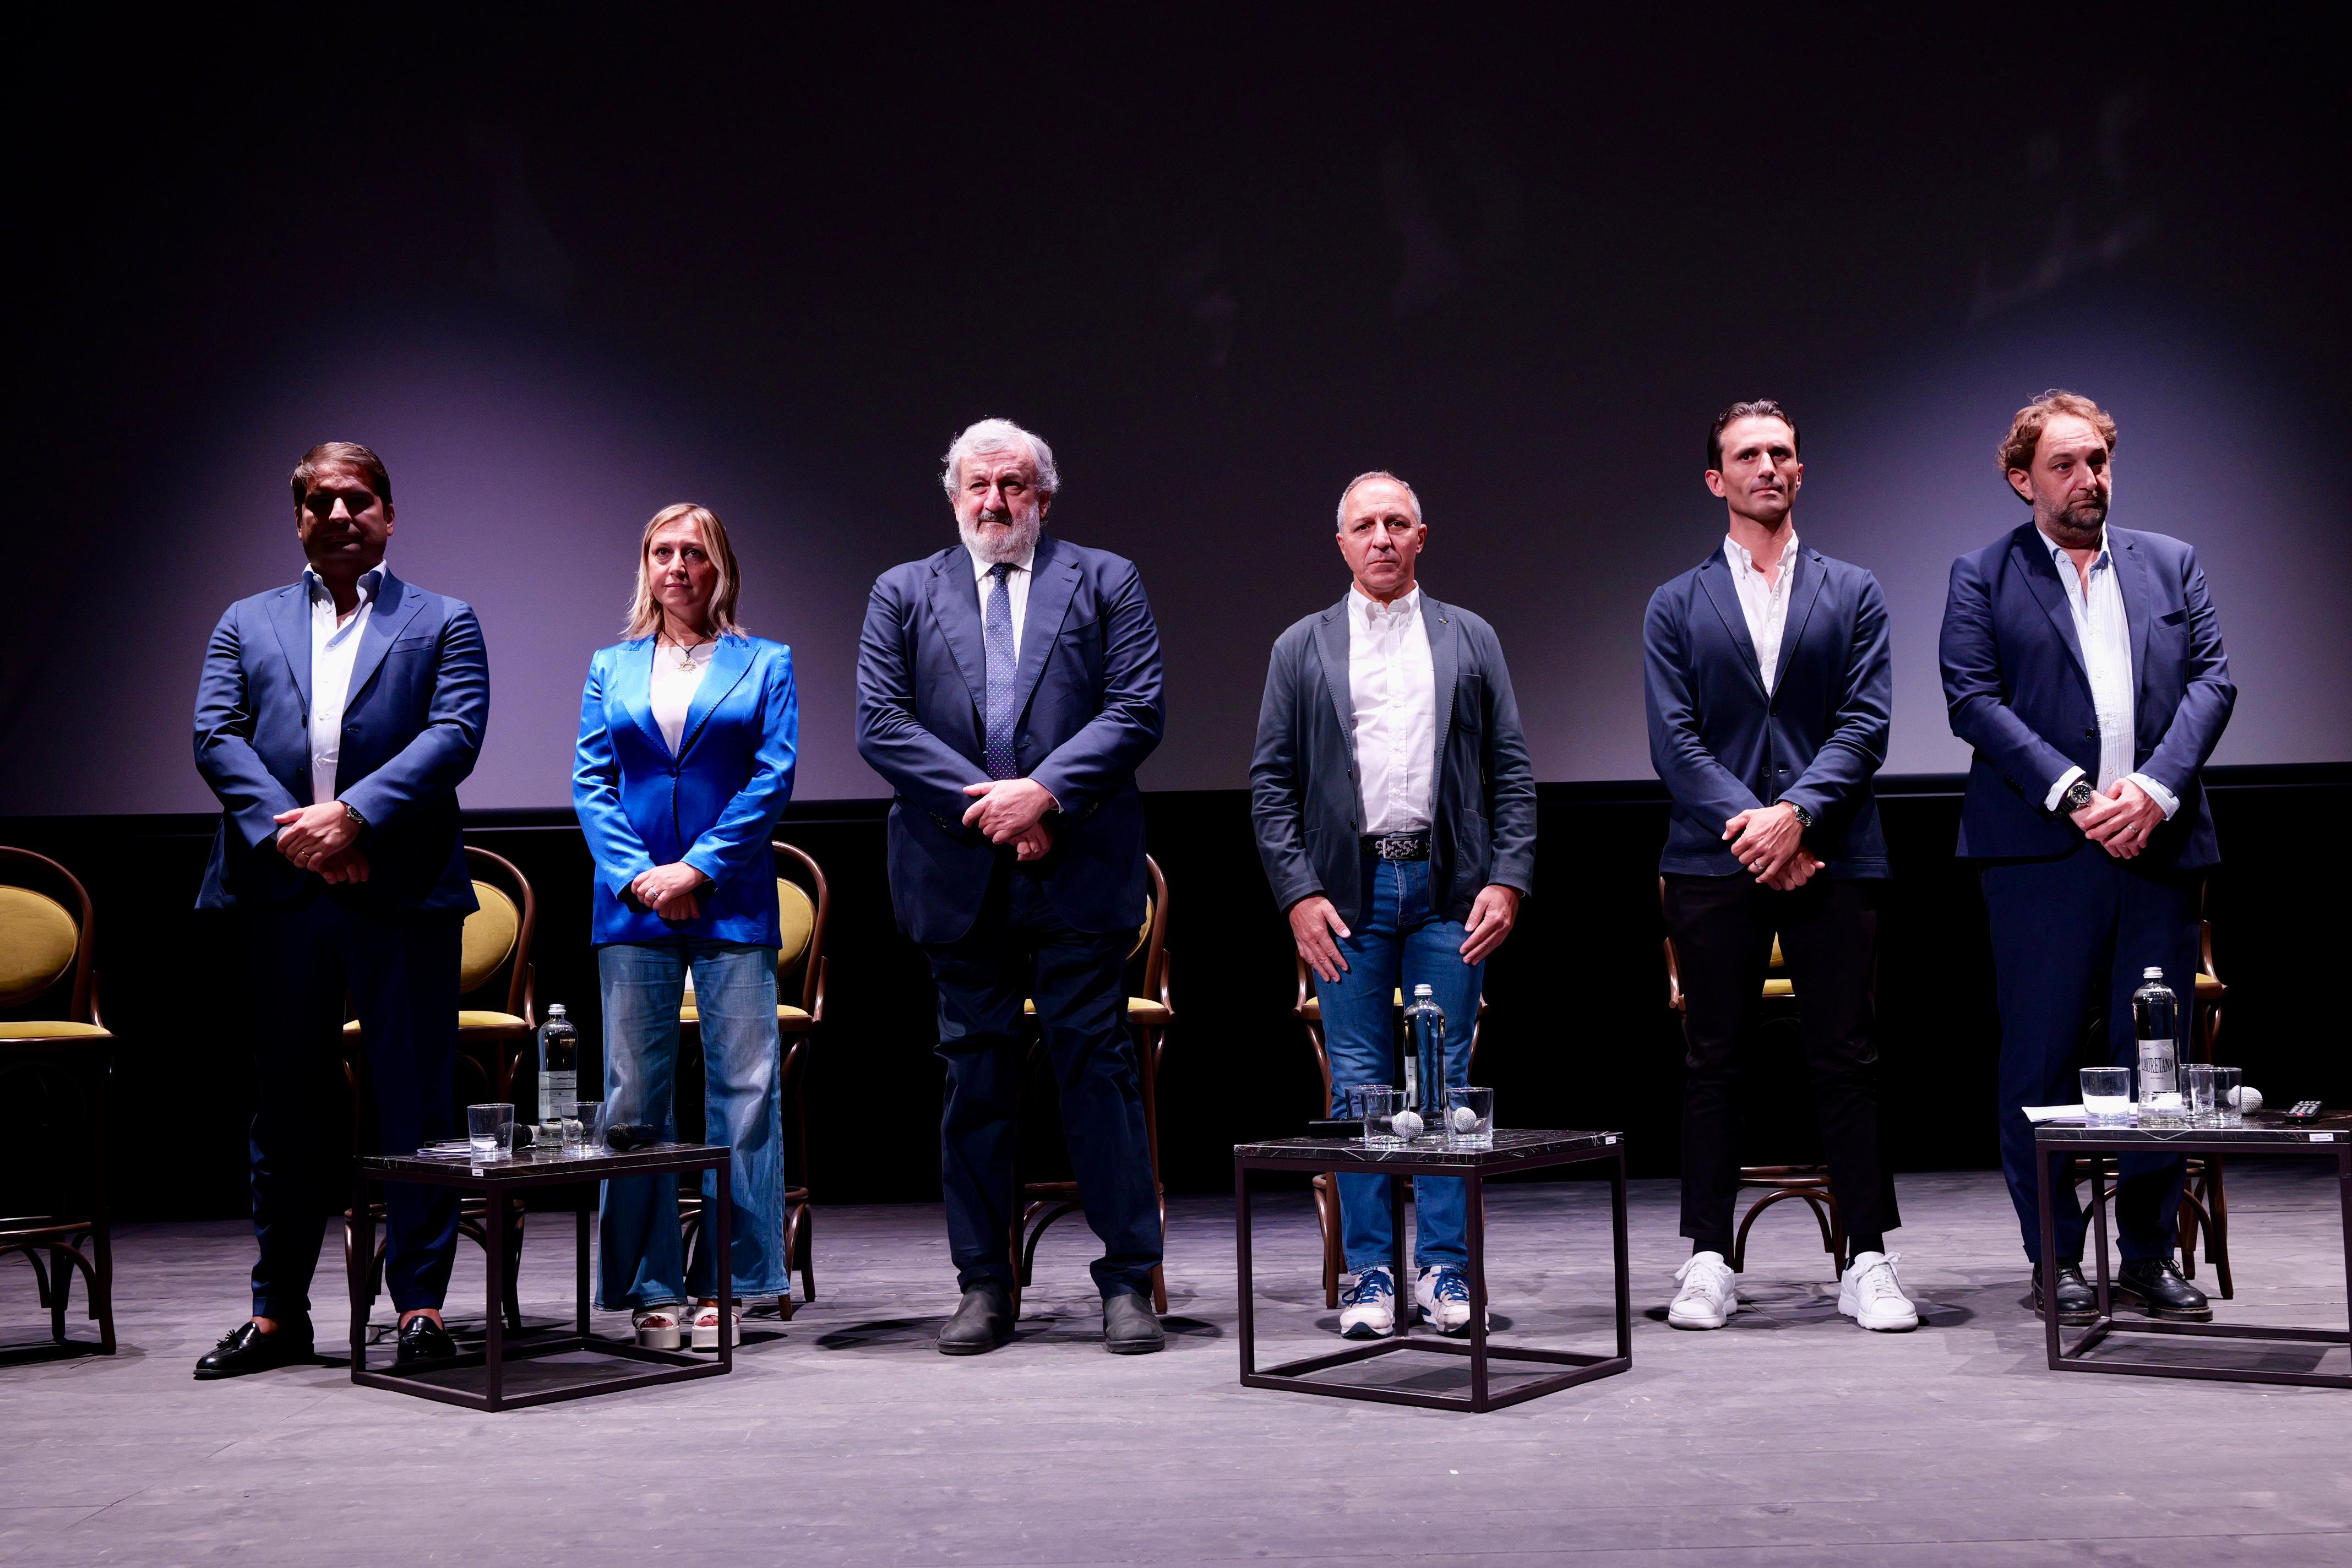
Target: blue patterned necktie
(996, 635)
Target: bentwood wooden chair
(497, 1020)
(1308, 1010)
(57, 1060)
(1037, 1205)
(804, 907)
(1809, 1184)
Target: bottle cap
(555, 1009)
(1421, 990)
(2151, 972)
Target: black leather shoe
(422, 1340)
(981, 1321)
(1129, 1327)
(2078, 1304)
(2155, 1284)
(245, 1349)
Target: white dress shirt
(673, 688)
(1393, 688)
(2103, 631)
(1016, 584)
(1765, 604)
(333, 648)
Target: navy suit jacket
(2019, 692)
(1305, 798)
(1724, 747)
(1088, 710)
(412, 721)
(713, 805)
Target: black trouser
(1723, 929)
(400, 973)
(1022, 948)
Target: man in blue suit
(1769, 686)
(1008, 687)
(335, 719)
(2085, 664)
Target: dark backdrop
(561, 271)
(1578, 1033)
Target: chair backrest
(1778, 969)
(1151, 936)
(46, 939)
(804, 908)
(498, 936)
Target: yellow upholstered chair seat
(787, 1017)
(2208, 987)
(1140, 1010)
(1779, 988)
(489, 937)
(38, 942)
(468, 1018)
(46, 1029)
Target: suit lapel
(2139, 595)
(1715, 576)
(2041, 577)
(1053, 582)
(395, 606)
(730, 658)
(632, 684)
(290, 617)
(1444, 666)
(1331, 642)
(955, 605)
(1804, 591)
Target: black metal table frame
(1294, 1374)
(2072, 1141)
(495, 1180)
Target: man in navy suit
(2085, 664)
(1769, 686)
(334, 720)
(1008, 687)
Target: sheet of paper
(2041, 1113)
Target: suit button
(2090, 732)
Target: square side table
(1514, 1150)
(497, 1180)
(2265, 1134)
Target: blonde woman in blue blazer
(687, 732)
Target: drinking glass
(592, 1114)
(2107, 1097)
(1378, 1104)
(490, 1130)
(2227, 1111)
(573, 1128)
(1470, 1118)
(2197, 1093)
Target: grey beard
(999, 549)
(2070, 530)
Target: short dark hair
(1754, 408)
(340, 455)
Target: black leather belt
(1397, 846)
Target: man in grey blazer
(1395, 811)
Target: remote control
(2303, 1110)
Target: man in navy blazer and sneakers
(335, 720)
(1768, 686)
(1008, 688)
(2085, 664)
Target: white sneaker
(1870, 1294)
(657, 1327)
(706, 1327)
(1443, 1294)
(1708, 1295)
(1367, 1309)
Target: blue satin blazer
(714, 805)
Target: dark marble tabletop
(1511, 1144)
(544, 1165)
(2263, 1128)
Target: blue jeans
(1401, 941)
(735, 995)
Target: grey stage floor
(1791, 1438)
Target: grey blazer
(1306, 799)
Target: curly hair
(2016, 449)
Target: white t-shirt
(677, 672)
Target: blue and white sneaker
(1367, 1308)
(1443, 1297)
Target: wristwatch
(353, 812)
(1804, 818)
(2079, 795)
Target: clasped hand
(672, 891)
(2121, 820)
(1012, 811)
(321, 839)
(1771, 843)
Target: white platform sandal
(705, 1328)
(657, 1327)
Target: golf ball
(1407, 1124)
(1464, 1118)
(2246, 1098)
